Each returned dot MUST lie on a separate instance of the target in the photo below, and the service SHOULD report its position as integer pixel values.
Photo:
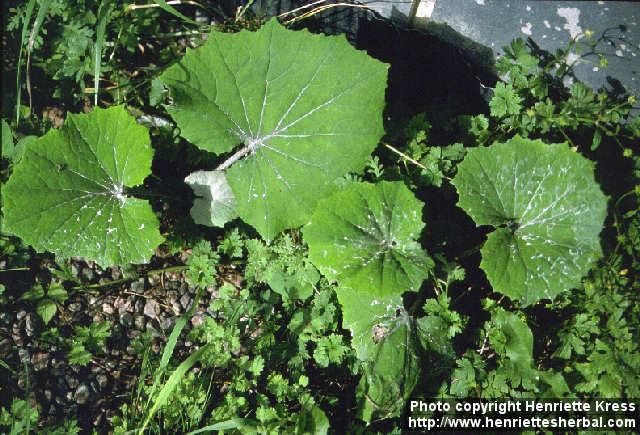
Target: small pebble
(139, 322)
(107, 309)
(40, 361)
(151, 308)
(138, 286)
(82, 394)
(126, 319)
(103, 381)
(72, 382)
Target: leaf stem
(105, 284)
(234, 158)
(126, 280)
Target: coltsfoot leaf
(369, 319)
(67, 193)
(365, 236)
(547, 210)
(216, 204)
(304, 109)
(385, 339)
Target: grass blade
(166, 354)
(171, 384)
(173, 11)
(171, 343)
(104, 11)
(23, 39)
(40, 16)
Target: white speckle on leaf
(619, 53)
(546, 24)
(526, 29)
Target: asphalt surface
(551, 24)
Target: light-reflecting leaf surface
(67, 193)
(385, 339)
(305, 109)
(365, 236)
(547, 210)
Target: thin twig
(307, 6)
(484, 344)
(404, 156)
(324, 8)
(106, 284)
(133, 7)
(15, 269)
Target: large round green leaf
(365, 236)
(67, 193)
(305, 109)
(547, 210)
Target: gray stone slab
(552, 24)
(495, 23)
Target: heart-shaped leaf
(306, 109)
(547, 210)
(67, 193)
(216, 204)
(385, 340)
(365, 236)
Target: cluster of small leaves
(63, 44)
(313, 325)
(541, 98)
(47, 301)
(282, 266)
(19, 418)
(22, 418)
(437, 163)
(598, 342)
(202, 265)
(254, 370)
(504, 366)
(88, 341)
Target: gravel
(92, 393)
